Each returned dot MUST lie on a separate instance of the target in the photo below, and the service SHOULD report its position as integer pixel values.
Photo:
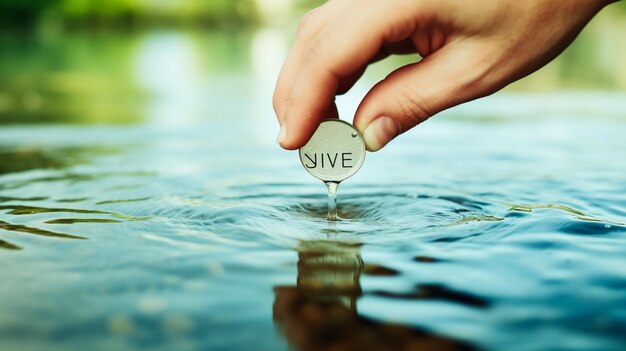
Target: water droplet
(354, 134)
(332, 200)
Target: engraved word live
(335, 152)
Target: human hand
(470, 49)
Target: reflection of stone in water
(330, 271)
(320, 313)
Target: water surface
(497, 226)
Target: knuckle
(315, 49)
(414, 107)
(307, 23)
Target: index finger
(343, 47)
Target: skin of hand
(469, 49)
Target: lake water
(143, 204)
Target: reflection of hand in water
(320, 313)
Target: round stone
(335, 152)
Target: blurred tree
(23, 12)
(98, 11)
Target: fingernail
(379, 132)
(282, 135)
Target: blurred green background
(94, 13)
(129, 61)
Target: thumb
(413, 93)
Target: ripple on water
(365, 214)
(437, 292)
(20, 228)
(280, 214)
(299, 212)
(33, 229)
(561, 219)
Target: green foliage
(16, 12)
(99, 12)
(27, 12)
(106, 9)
